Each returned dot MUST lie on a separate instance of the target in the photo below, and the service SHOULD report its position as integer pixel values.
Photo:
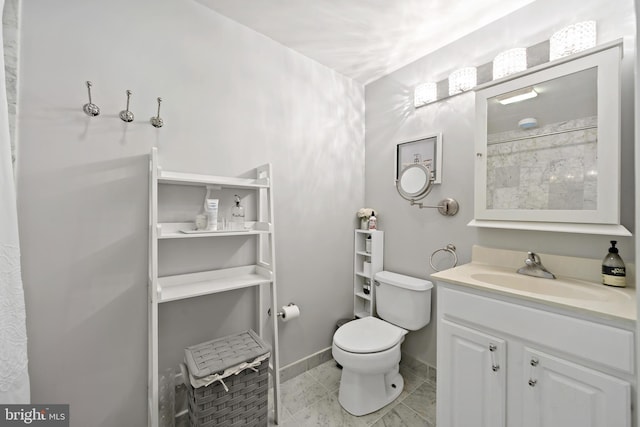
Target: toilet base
(362, 394)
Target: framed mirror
(548, 147)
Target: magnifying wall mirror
(414, 182)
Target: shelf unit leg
(153, 366)
(275, 354)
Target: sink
(561, 288)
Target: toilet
(369, 348)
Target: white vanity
(521, 351)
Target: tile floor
(311, 399)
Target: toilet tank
(403, 300)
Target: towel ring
(449, 248)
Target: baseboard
(296, 368)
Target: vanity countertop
(564, 292)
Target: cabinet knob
(534, 362)
(532, 382)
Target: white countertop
(573, 294)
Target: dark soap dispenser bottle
(613, 270)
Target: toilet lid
(367, 335)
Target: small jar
(201, 222)
(367, 245)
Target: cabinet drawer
(602, 344)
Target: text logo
(34, 415)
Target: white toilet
(369, 348)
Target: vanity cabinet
(472, 376)
(562, 393)
(503, 361)
(367, 261)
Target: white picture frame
(425, 150)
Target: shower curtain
(14, 376)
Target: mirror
(414, 182)
(548, 146)
(542, 151)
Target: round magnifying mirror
(414, 182)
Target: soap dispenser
(373, 221)
(613, 270)
(237, 215)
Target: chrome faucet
(535, 268)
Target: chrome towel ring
(450, 248)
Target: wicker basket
(245, 402)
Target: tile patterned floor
(311, 399)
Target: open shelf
(363, 296)
(363, 304)
(260, 274)
(172, 230)
(172, 288)
(181, 178)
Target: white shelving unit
(260, 274)
(364, 303)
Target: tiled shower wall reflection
(11, 37)
(553, 167)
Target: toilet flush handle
(376, 283)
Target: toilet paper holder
(280, 313)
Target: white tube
(211, 206)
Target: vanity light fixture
(425, 93)
(572, 39)
(462, 79)
(517, 96)
(509, 62)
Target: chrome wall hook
(90, 108)
(127, 115)
(157, 121)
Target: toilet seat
(368, 335)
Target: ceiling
(365, 39)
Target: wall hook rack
(90, 108)
(126, 115)
(157, 121)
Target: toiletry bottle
(613, 270)
(366, 287)
(237, 215)
(373, 221)
(211, 208)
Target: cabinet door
(559, 393)
(471, 377)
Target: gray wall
(233, 99)
(411, 234)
